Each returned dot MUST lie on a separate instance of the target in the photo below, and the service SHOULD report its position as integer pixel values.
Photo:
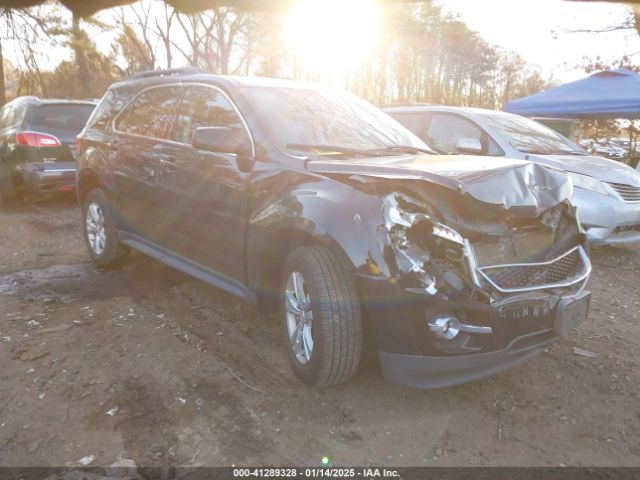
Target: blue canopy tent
(607, 94)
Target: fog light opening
(446, 328)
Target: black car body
(38, 144)
(464, 266)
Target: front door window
(445, 130)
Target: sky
(540, 31)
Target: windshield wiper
(576, 152)
(328, 149)
(334, 149)
(559, 152)
(534, 152)
(404, 148)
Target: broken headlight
(420, 243)
(442, 231)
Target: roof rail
(26, 97)
(410, 104)
(166, 73)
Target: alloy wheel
(96, 232)
(299, 317)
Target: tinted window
(412, 121)
(529, 136)
(445, 130)
(204, 107)
(71, 118)
(12, 115)
(17, 115)
(152, 113)
(4, 117)
(112, 102)
(328, 118)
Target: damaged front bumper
(490, 338)
(431, 371)
(444, 316)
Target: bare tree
(133, 43)
(25, 29)
(426, 55)
(163, 31)
(631, 21)
(78, 42)
(215, 38)
(3, 89)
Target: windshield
(298, 117)
(529, 136)
(68, 117)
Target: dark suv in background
(38, 145)
(322, 208)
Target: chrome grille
(626, 228)
(566, 270)
(629, 193)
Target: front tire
(100, 232)
(321, 316)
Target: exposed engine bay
(491, 261)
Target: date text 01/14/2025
(315, 472)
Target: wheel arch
(88, 179)
(271, 258)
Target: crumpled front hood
(499, 181)
(604, 169)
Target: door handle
(148, 171)
(168, 164)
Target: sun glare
(335, 35)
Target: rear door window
(204, 107)
(152, 114)
(69, 118)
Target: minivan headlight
(588, 183)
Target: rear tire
(321, 316)
(100, 233)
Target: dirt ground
(146, 364)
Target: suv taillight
(37, 139)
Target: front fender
(320, 211)
(94, 163)
(348, 221)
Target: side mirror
(222, 140)
(469, 145)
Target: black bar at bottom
(399, 473)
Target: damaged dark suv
(321, 208)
